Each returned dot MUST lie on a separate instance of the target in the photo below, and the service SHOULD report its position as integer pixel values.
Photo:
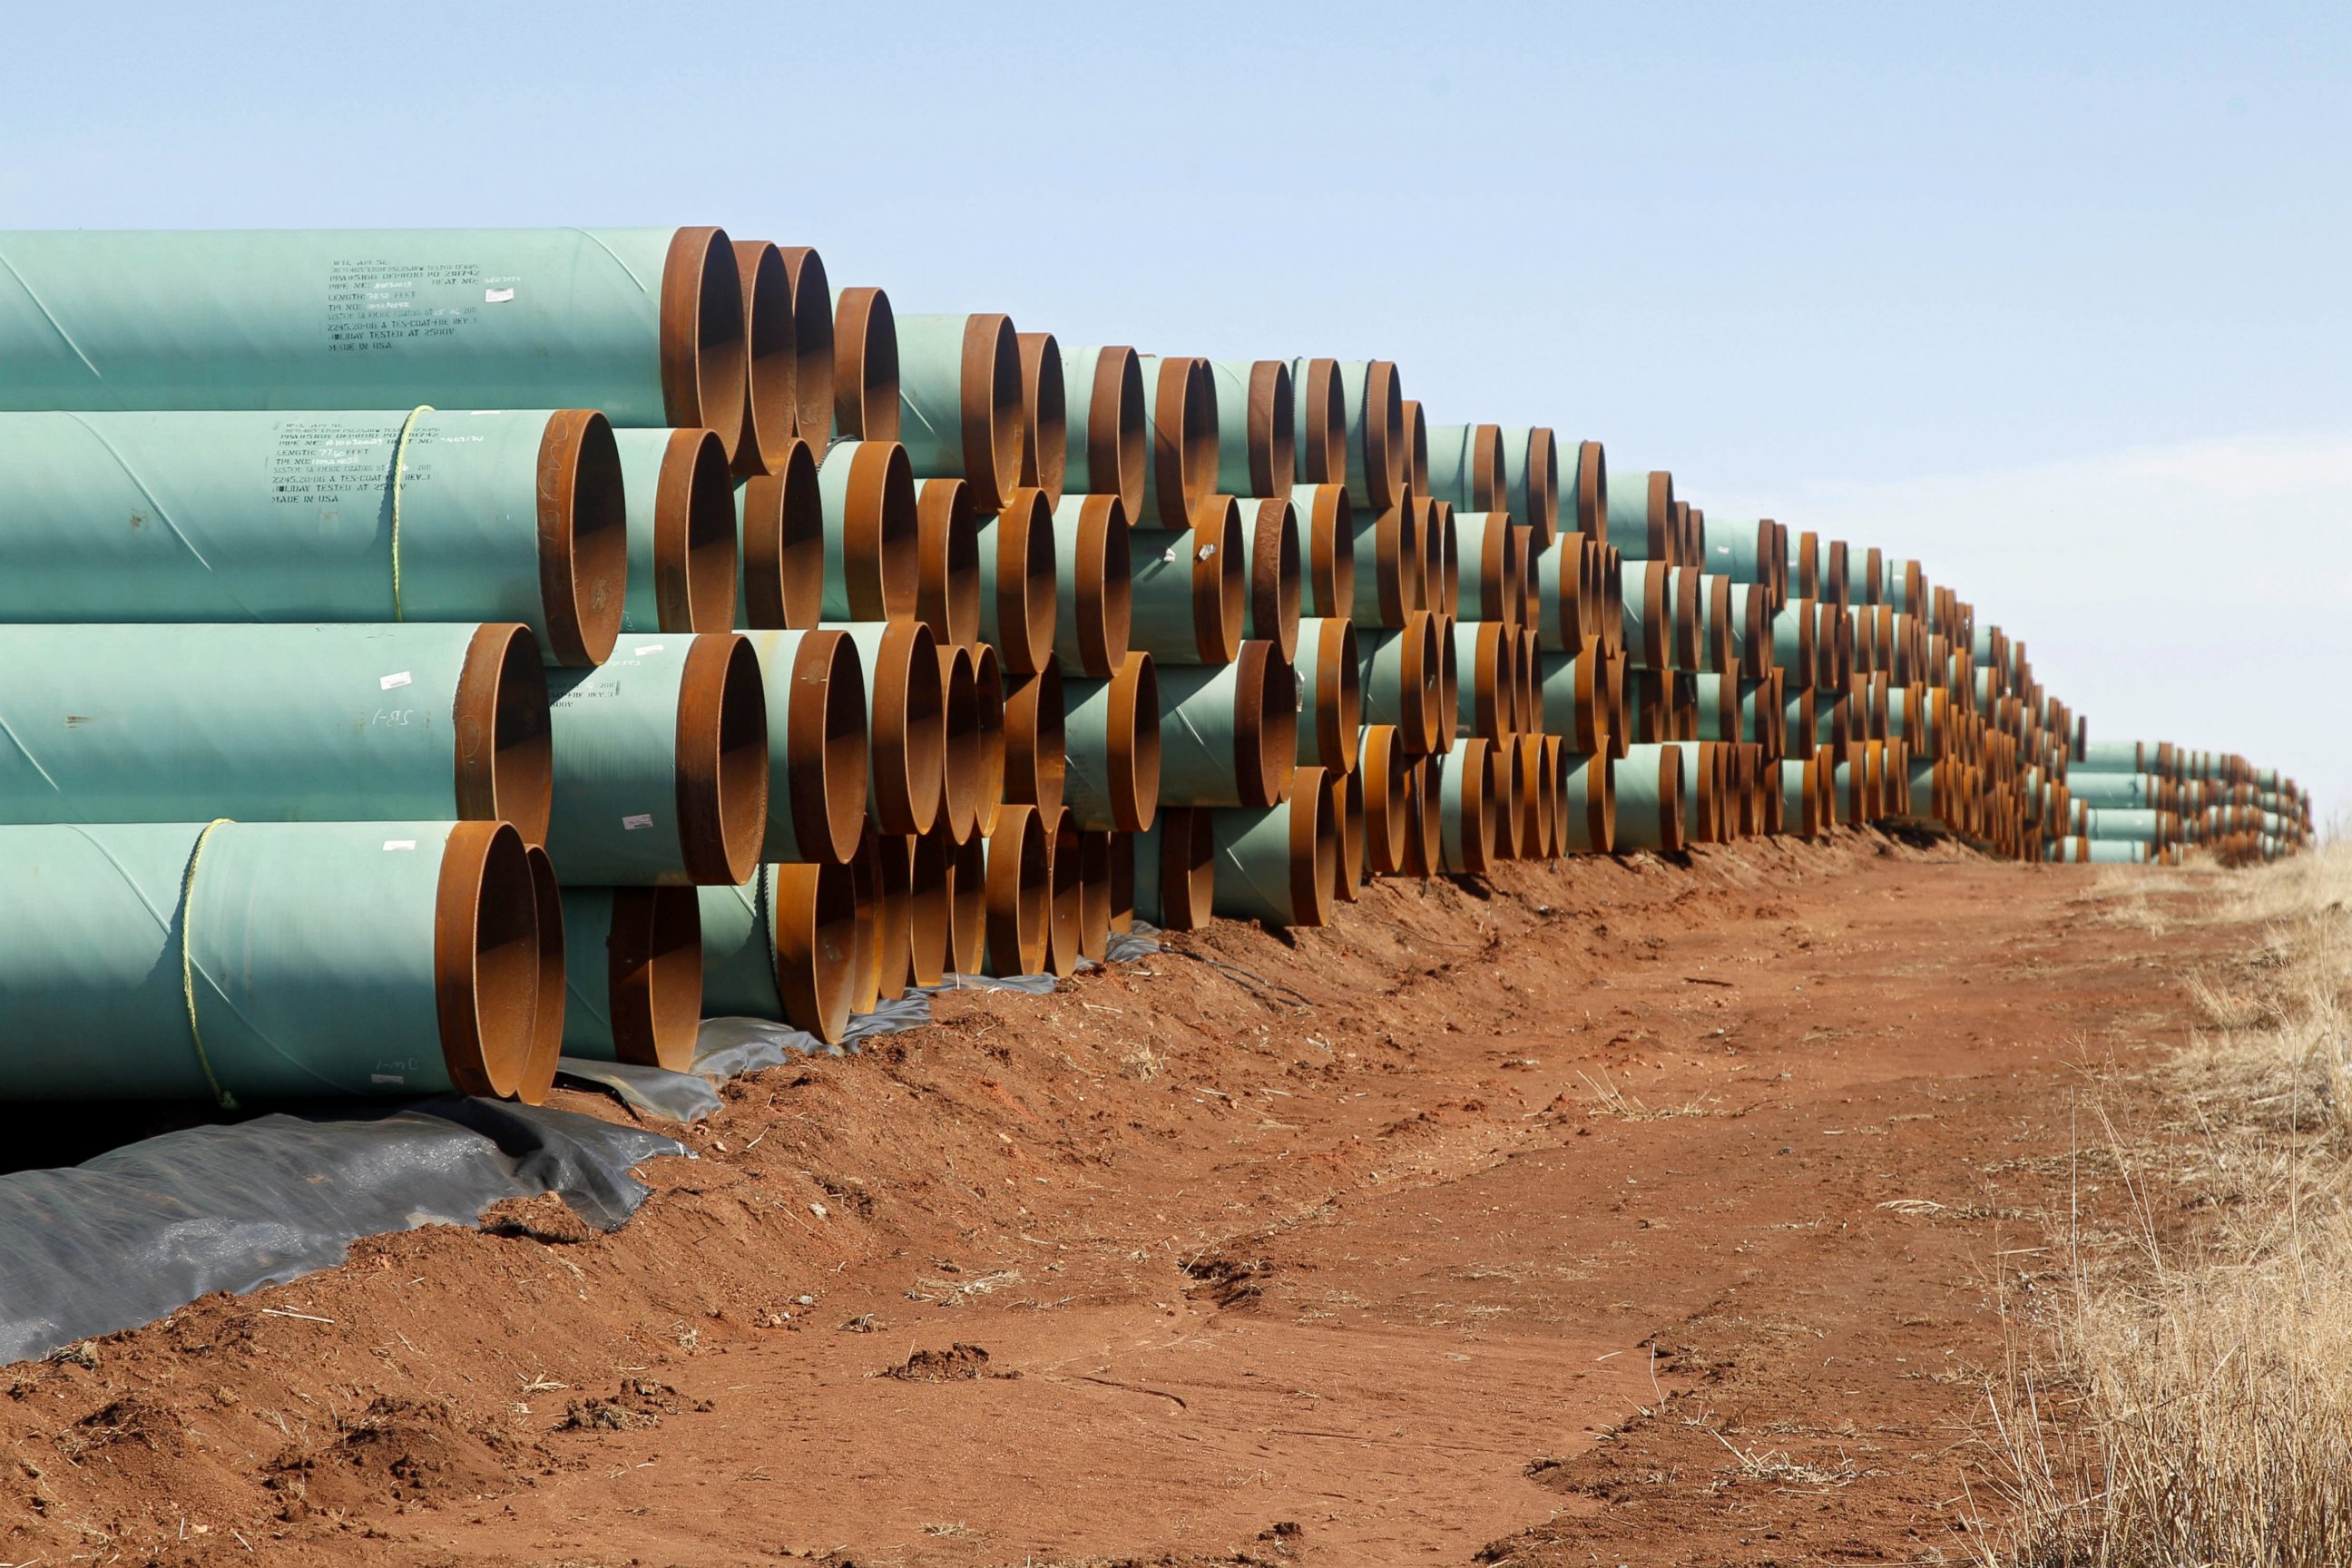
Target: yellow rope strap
(188, 966)
(400, 463)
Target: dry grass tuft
(2184, 1396)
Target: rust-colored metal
(908, 733)
(1542, 485)
(962, 760)
(1119, 447)
(1382, 761)
(488, 962)
(1183, 438)
(783, 543)
(1327, 537)
(1106, 586)
(583, 537)
(1385, 456)
(1592, 491)
(695, 553)
(1045, 423)
(1019, 893)
(815, 913)
(1416, 448)
(654, 956)
(1339, 696)
(811, 343)
(505, 759)
(1188, 867)
(1348, 827)
(930, 891)
(1095, 893)
(771, 363)
(1265, 724)
(882, 534)
(865, 367)
(1026, 590)
(826, 746)
(967, 905)
(704, 346)
(894, 957)
(988, 714)
(947, 562)
(1271, 527)
(722, 760)
(990, 406)
(1036, 761)
(1689, 614)
(1322, 412)
(1066, 882)
(537, 1077)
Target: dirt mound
(397, 1453)
(958, 1361)
(640, 1402)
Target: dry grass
(2183, 1396)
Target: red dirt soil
(1616, 1211)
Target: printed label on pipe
(392, 844)
(641, 652)
(401, 678)
(641, 819)
(497, 296)
(391, 1078)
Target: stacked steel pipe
(428, 652)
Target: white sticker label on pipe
(497, 296)
(392, 1078)
(392, 844)
(401, 678)
(641, 652)
(641, 819)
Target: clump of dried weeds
(2184, 1396)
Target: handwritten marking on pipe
(640, 820)
(392, 844)
(398, 678)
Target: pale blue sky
(2053, 296)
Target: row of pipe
(733, 644)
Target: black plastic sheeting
(141, 1231)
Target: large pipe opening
(704, 344)
(488, 962)
(769, 409)
(722, 761)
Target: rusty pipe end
(946, 572)
(722, 760)
(865, 367)
(1036, 755)
(696, 556)
(1019, 893)
(930, 894)
(993, 407)
(505, 756)
(537, 1076)
(815, 913)
(772, 361)
(1065, 895)
(583, 537)
(1045, 423)
(1028, 595)
(962, 759)
(782, 568)
(655, 958)
(812, 308)
(489, 958)
(704, 344)
(1135, 743)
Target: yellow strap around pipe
(400, 463)
(187, 964)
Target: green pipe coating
(596, 921)
(1111, 740)
(739, 949)
(1237, 410)
(1760, 718)
(932, 396)
(1465, 836)
(1200, 734)
(1276, 864)
(1165, 604)
(1730, 547)
(854, 566)
(337, 723)
(291, 517)
(1114, 567)
(2117, 756)
(803, 698)
(1586, 774)
(351, 319)
(1647, 817)
(646, 606)
(1695, 792)
(1797, 789)
(615, 730)
(1629, 516)
(177, 960)
(2143, 824)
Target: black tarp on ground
(143, 1230)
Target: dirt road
(1621, 1212)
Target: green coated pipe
(1019, 583)
(1491, 581)
(1330, 695)
(2117, 756)
(1466, 807)
(2144, 824)
(780, 543)
(307, 517)
(782, 946)
(906, 725)
(961, 404)
(1094, 585)
(1402, 680)
(1228, 733)
(1110, 738)
(812, 685)
(1327, 544)
(1575, 699)
(1531, 481)
(1377, 452)
(684, 561)
(1109, 447)
(873, 533)
(1466, 466)
(1176, 869)
(1189, 595)
(1648, 790)
(1588, 804)
(338, 723)
(1278, 864)
(1762, 717)
(1319, 400)
(182, 961)
(1641, 515)
(1800, 797)
(1390, 567)
(645, 323)
(1020, 893)
(1272, 567)
(1257, 427)
(661, 763)
(1702, 802)
(633, 974)
(1738, 549)
(1179, 413)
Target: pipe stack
(507, 642)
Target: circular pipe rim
(696, 554)
(811, 309)
(489, 958)
(504, 747)
(993, 407)
(536, 1077)
(1046, 425)
(1037, 751)
(814, 913)
(772, 361)
(947, 562)
(583, 537)
(703, 341)
(722, 760)
(866, 346)
(783, 565)
(655, 962)
(826, 745)
(1134, 726)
